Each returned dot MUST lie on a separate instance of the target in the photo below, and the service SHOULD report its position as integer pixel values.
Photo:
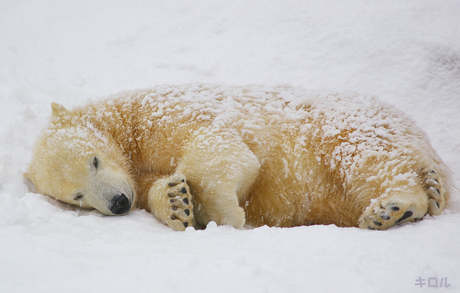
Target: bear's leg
(407, 205)
(170, 201)
(219, 204)
(220, 171)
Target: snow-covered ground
(404, 52)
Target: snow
(406, 53)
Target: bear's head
(76, 163)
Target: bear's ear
(28, 181)
(58, 110)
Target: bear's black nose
(120, 204)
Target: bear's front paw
(181, 204)
(171, 202)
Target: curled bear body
(250, 155)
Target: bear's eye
(95, 163)
(78, 196)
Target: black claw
(172, 184)
(370, 228)
(395, 208)
(386, 217)
(174, 208)
(183, 180)
(187, 212)
(186, 224)
(185, 200)
(437, 203)
(170, 194)
(439, 192)
(377, 223)
(173, 217)
(171, 200)
(405, 216)
(183, 190)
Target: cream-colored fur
(242, 155)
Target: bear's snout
(120, 204)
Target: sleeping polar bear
(252, 155)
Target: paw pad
(406, 215)
(389, 213)
(180, 203)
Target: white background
(404, 52)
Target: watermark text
(432, 282)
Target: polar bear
(250, 155)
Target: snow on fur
(404, 52)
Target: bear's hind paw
(388, 212)
(435, 192)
